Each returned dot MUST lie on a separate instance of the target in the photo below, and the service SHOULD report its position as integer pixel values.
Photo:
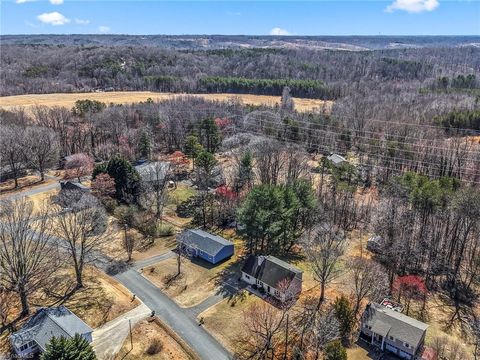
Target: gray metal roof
(152, 171)
(204, 241)
(336, 159)
(48, 323)
(402, 327)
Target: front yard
(198, 280)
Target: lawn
(199, 279)
(149, 332)
(225, 320)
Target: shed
(336, 159)
(209, 247)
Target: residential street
(109, 338)
(204, 344)
(182, 321)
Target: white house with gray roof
(393, 331)
(47, 323)
(275, 277)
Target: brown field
(127, 97)
(147, 331)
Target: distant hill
(194, 42)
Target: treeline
(458, 119)
(48, 68)
(298, 88)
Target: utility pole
(131, 337)
(286, 340)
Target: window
(23, 347)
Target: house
(209, 247)
(44, 325)
(336, 159)
(73, 185)
(393, 331)
(152, 172)
(273, 276)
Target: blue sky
(377, 17)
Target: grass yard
(225, 320)
(128, 97)
(150, 336)
(199, 279)
(24, 183)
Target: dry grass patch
(225, 320)
(153, 340)
(128, 97)
(25, 183)
(198, 280)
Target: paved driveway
(204, 344)
(109, 338)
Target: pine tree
(335, 351)
(144, 145)
(76, 348)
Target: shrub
(165, 230)
(154, 347)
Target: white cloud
(56, 2)
(413, 6)
(53, 18)
(82, 22)
(104, 29)
(279, 31)
(23, 1)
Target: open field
(127, 97)
(144, 334)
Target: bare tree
(370, 281)
(155, 186)
(11, 138)
(323, 250)
(79, 165)
(28, 254)
(128, 242)
(40, 148)
(84, 229)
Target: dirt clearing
(127, 97)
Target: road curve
(204, 344)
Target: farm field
(127, 97)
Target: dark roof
(47, 323)
(73, 185)
(204, 241)
(389, 322)
(270, 270)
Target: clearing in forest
(127, 97)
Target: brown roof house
(393, 331)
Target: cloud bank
(279, 31)
(53, 18)
(413, 6)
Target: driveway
(109, 338)
(204, 344)
(37, 190)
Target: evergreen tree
(192, 147)
(76, 348)
(144, 145)
(209, 135)
(206, 162)
(345, 316)
(245, 172)
(335, 351)
(127, 180)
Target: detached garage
(209, 247)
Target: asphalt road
(204, 344)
